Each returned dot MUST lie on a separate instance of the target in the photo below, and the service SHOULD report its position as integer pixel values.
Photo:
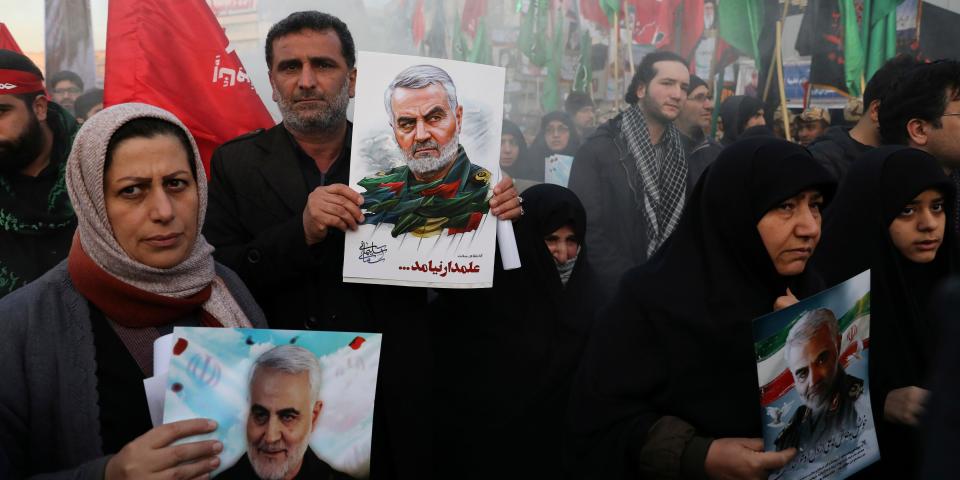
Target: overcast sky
(24, 18)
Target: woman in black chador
(893, 215)
(668, 383)
(507, 355)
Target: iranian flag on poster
(814, 392)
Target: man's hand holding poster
(425, 158)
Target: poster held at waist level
(814, 392)
(425, 157)
(320, 386)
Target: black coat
(604, 177)
(836, 150)
(508, 354)
(902, 331)
(258, 190)
(670, 361)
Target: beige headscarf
(84, 178)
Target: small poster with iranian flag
(814, 391)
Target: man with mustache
(36, 219)
(278, 209)
(284, 408)
(438, 189)
(828, 394)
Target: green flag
(853, 57)
(868, 43)
(610, 7)
(740, 23)
(584, 75)
(551, 87)
(532, 41)
(481, 51)
(883, 34)
(459, 42)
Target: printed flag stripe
(783, 382)
(770, 368)
(771, 345)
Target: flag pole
(630, 47)
(783, 91)
(770, 71)
(616, 55)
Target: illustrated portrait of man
(828, 393)
(437, 188)
(284, 408)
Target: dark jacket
(36, 219)
(701, 152)
(258, 190)
(604, 177)
(836, 150)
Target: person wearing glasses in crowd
(694, 124)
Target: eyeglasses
(701, 98)
(557, 130)
(955, 114)
(62, 91)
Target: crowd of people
(632, 358)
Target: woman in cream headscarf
(78, 341)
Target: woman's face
(918, 230)
(558, 135)
(152, 201)
(791, 230)
(509, 149)
(563, 244)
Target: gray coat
(49, 414)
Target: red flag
(653, 22)
(691, 27)
(472, 11)
(6, 40)
(173, 54)
(419, 26)
(590, 10)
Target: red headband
(15, 82)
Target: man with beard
(36, 219)
(438, 188)
(828, 394)
(65, 88)
(632, 174)
(284, 408)
(279, 205)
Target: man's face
(697, 111)
(814, 368)
(282, 416)
(664, 97)
(944, 142)
(425, 127)
(584, 118)
(65, 93)
(807, 131)
(21, 138)
(311, 81)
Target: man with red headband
(36, 219)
